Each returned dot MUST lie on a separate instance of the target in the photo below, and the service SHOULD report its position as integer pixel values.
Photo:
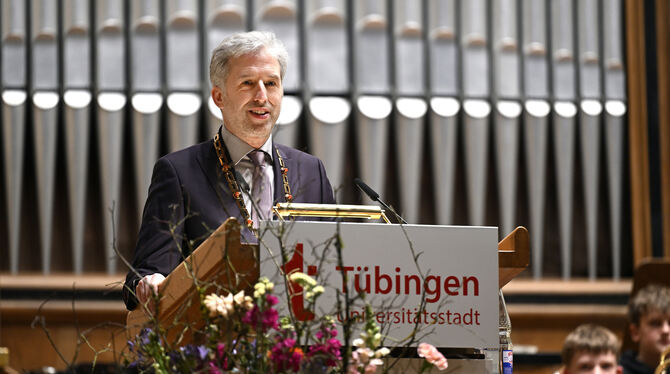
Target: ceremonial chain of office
(228, 168)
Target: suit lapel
(209, 163)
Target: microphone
(245, 189)
(375, 197)
(242, 183)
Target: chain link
(284, 178)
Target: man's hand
(147, 287)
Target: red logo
(296, 264)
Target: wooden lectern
(223, 264)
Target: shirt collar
(238, 148)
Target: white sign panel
(456, 270)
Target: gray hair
(242, 44)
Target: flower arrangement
(245, 334)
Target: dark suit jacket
(190, 196)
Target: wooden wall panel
(663, 58)
(102, 322)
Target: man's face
(250, 99)
(593, 363)
(653, 334)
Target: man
(240, 173)
(590, 349)
(649, 326)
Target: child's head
(591, 349)
(649, 316)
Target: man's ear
(619, 369)
(634, 332)
(217, 96)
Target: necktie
(261, 192)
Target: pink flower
(328, 351)
(327, 347)
(220, 364)
(250, 316)
(271, 300)
(363, 359)
(220, 350)
(270, 319)
(355, 362)
(213, 369)
(370, 368)
(432, 355)
(364, 354)
(266, 319)
(285, 355)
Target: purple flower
(175, 357)
(145, 336)
(202, 352)
(199, 352)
